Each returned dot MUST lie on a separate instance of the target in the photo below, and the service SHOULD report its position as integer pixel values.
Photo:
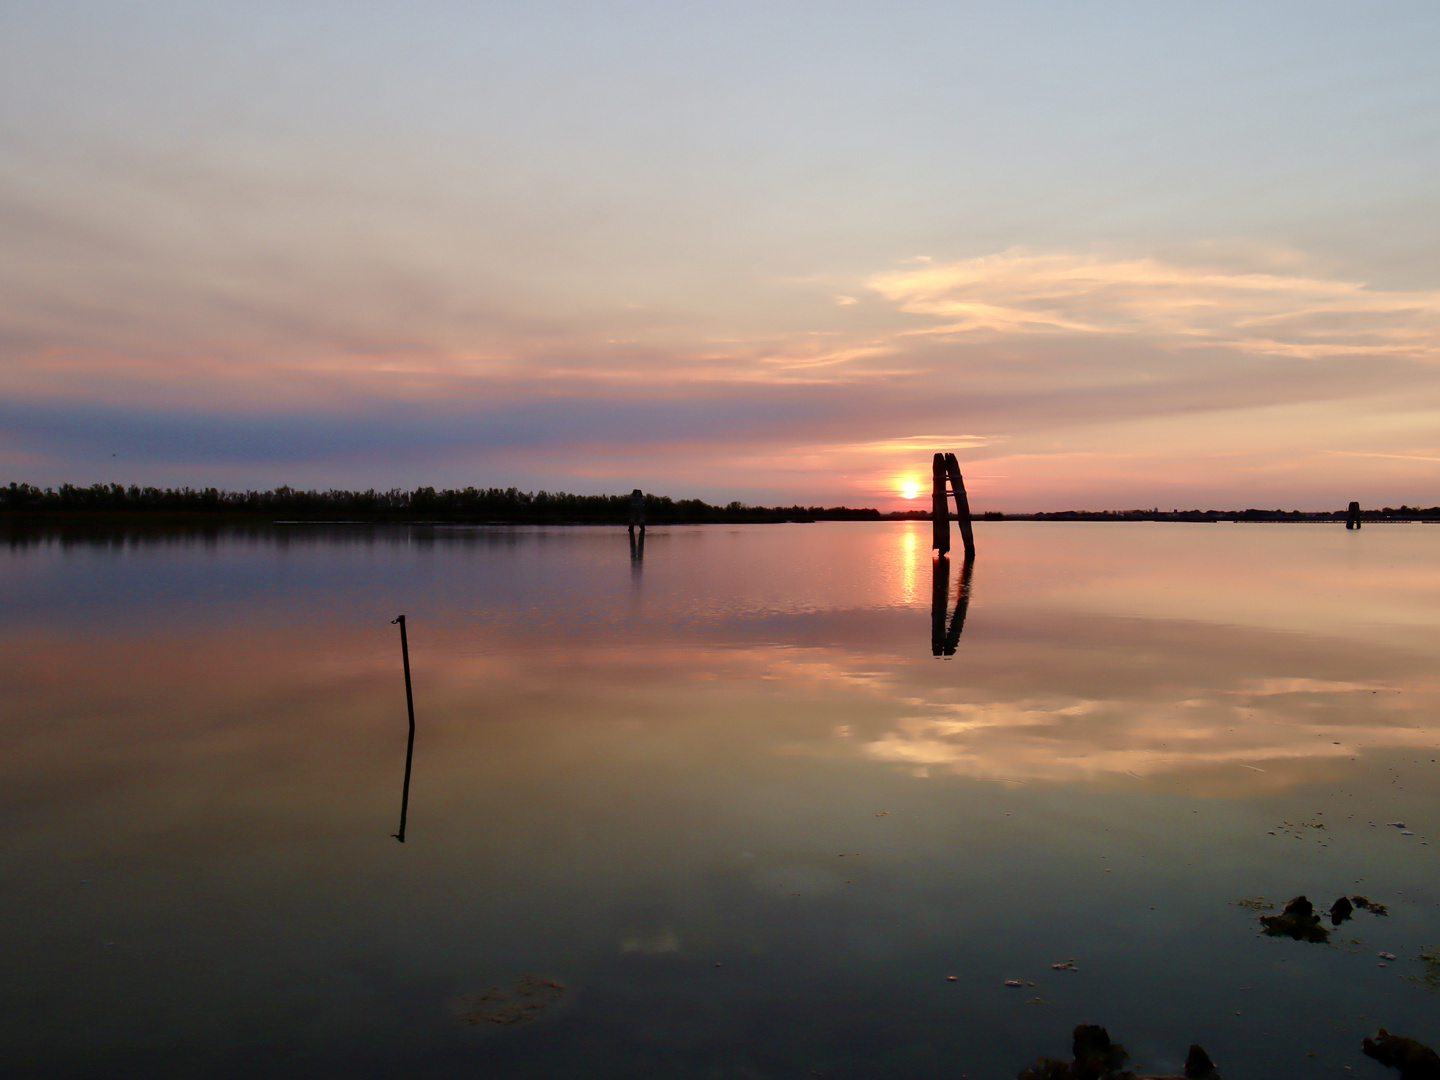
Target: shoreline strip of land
(26, 505)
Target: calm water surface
(726, 796)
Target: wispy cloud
(1018, 292)
(1391, 457)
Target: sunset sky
(1111, 254)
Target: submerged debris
(526, 1000)
(1097, 1058)
(1257, 903)
(1415, 1060)
(1297, 829)
(1430, 958)
(1297, 921)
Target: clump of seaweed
(526, 1000)
(1297, 921)
(1415, 1060)
(1097, 1058)
(1370, 906)
(1256, 903)
(1430, 959)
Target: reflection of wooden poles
(939, 603)
(944, 642)
(1352, 518)
(962, 604)
(946, 471)
(410, 746)
(962, 505)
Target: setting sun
(909, 489)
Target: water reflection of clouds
(1093, 740)
(1037, 690)
(1077, 704)
(1073, 706)
(1030, 697)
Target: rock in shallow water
(1098, 1058)
(1415, 1060)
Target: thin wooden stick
(410, 746)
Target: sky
(1112, 255)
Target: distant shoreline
(111, 505)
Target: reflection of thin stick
(410, 746)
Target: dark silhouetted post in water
(940, 509)
(1352, 519)
(637, 512)
(410, 746)
(637, 517)
(962, 505)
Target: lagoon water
(725, 797)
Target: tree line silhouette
(475, 505)
(116, 502)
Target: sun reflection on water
(910, 545)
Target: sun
(909, 489)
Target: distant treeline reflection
(507, 505)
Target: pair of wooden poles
(948, 482)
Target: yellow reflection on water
(909, 555)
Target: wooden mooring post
(939, 509)
(1352, 519)
(637, 512)
(948, 481)
(410, 745)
